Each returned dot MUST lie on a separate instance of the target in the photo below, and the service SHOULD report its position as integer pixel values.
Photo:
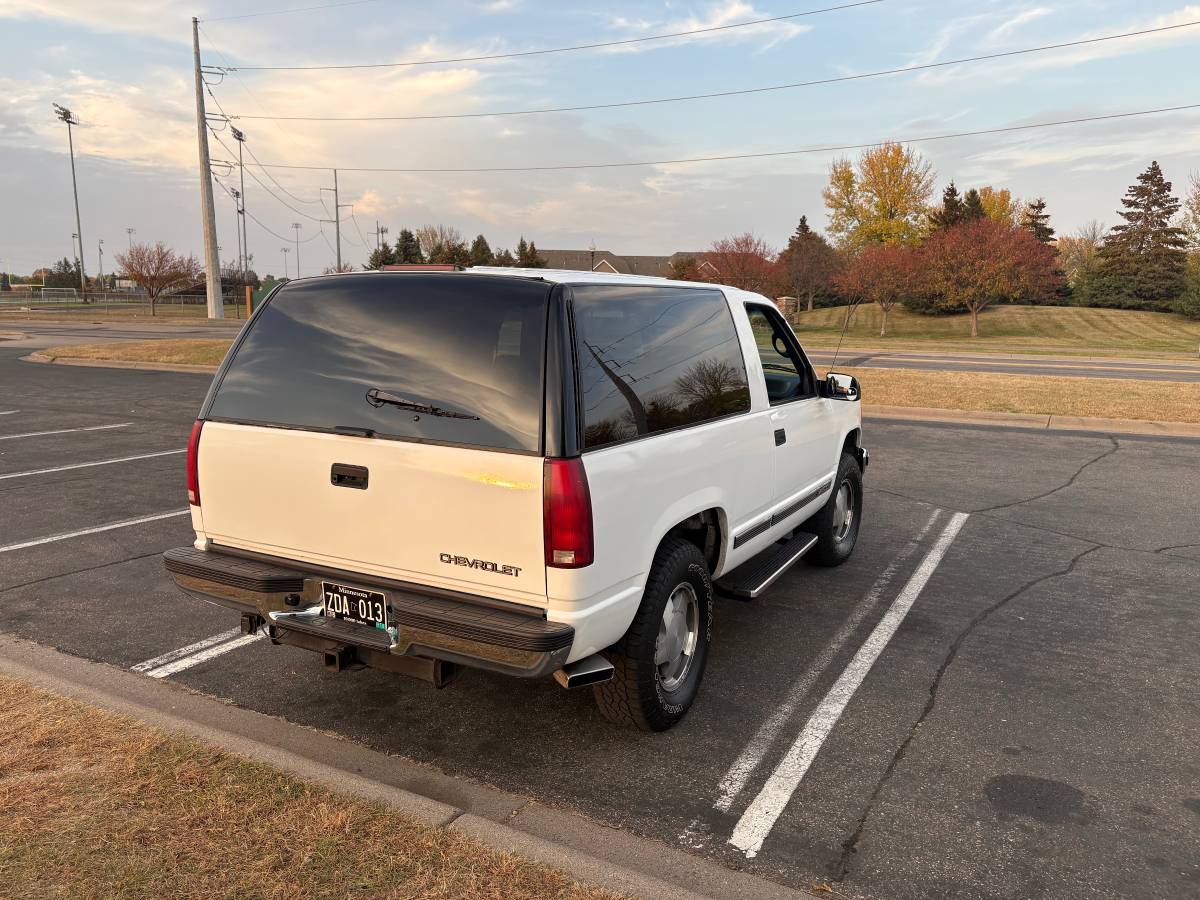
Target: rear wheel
(659, 663)
(836, 525)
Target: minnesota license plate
(341, 601)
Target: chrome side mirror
(842, 387)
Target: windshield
(467, 344)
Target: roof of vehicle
(559, 276)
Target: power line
(734, 93)
(737, 156)
(227, 190)
(596, 46)
(259, 181)
(284, 12)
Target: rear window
(465, 344)
(655, 358)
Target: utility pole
(208, 215)
(379, 233)
(100, 253)
(297, 226)
(285, 251)
(237, 203)
(66, 116)
(337, 218)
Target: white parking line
(752, 755)
(9, 412)
(209, 648)
(124, 523)
(13, 437)
(760, 817)
(86, 465)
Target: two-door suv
(526, 471)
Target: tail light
(567, 510)
(193, 463)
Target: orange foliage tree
(743, 261)
(158, 269)
(975, 264)
(887, 274)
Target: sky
(124, 67)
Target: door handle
(343, 475)
(780, 437)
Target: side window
(787, 372)
(654, 358)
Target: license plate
(352, 604)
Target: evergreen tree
(973, 209)
(1143, 263)
(481, 252)
(408, 251)
(950, 213)
(527, 255)
(4, 285)
(382, 256)
(535, 261)
(1037, 220)
(505, 258)
(808, 265)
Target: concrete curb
(40, 356)
(12, 335)
(587, 851)
(1034, 422)
(1181, 361)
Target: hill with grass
(1011, 329)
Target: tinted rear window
(464, 343)
(655, 358)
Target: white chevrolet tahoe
(526, 471)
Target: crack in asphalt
(1078, 472)
(850, 845)
(95, 568)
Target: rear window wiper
(378, 398)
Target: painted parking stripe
(88, 465)
(199, 656)
(9, 412)
(751, 757)
(181, 652)
(13, 437)
(66, 535)
(760, 817)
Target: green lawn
(1012, 329)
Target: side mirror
(842, 387)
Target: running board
(753, 577)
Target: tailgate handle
(343, 475)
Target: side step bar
(753, 577)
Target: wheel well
(850, 445)
(704, 530)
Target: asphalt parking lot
(1028, 728)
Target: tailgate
(460, 518)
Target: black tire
(637, 695)
(835, 544)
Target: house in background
(612, 264)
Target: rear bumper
(426, 624)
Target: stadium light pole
(285, 251)
(129, 233)
(65, 115)
(100, 255)
(297, 226)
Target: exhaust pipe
(594, 669)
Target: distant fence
(73, 300)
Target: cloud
(138, 16)
(729, 12)
(1005, 28)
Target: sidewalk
(585, 850)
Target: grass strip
(98, 805)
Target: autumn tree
(408, 249)
(158, 270)
(975, 264)
(1191, 213)
(432, 236)
(881, 199)
(743, 261)
(808, 265)
(1037, 221)
(1143, 263)
(886, 274)
(685, 268)
(999, 205)
(337, 269)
